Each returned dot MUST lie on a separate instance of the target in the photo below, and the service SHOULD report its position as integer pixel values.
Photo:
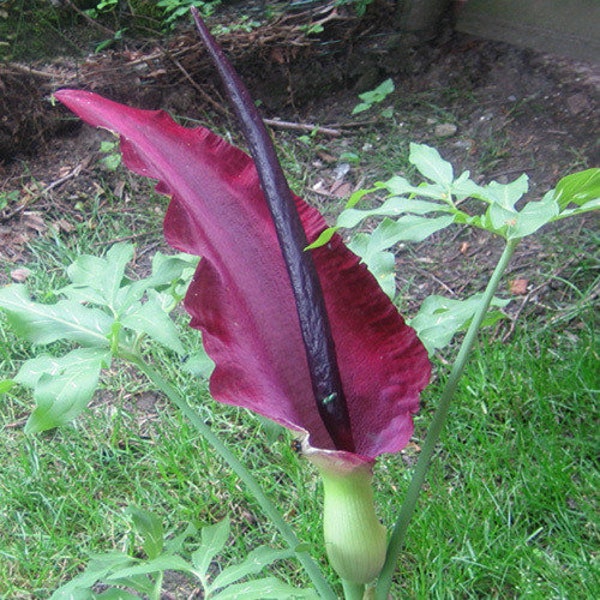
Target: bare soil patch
(489, 107)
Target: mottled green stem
(439, 418)
(314, 572)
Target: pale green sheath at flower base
(305, 338)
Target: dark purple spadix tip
(314, 322)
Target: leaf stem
(157, 591)
(437, 424)
(322, 586)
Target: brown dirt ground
(513, 110)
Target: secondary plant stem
(322, 586)
(353, 591)
(439, 418)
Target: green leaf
(512, 224)
(578, 188)
(587, 207)
(46, 323)
(410, 228)
(533, 216)
(499, 219)
(378, 94)
(199, 364)
(390, 208)
(32, 370)
(350, 157)
(85, 273)
(463, 188)
(358, 195)
(256, 561)
(62, 387)
(112, 161)
(74, 593)
(506, 195)
(398, 186)
(439, 318)
(214, 537)
(397, 206)
(169, 268)
(151, 319)
(167, 271)
(164, 562)
(99, 567)
(430, 164)
(267, 588)
(361, 107)
(6, 385)
(324, 238)
(150, 528)
(382, 264)
(175, 544)
(143, 584)
(116, 261)
(99, 280)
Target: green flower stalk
(355, 540)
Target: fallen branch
(302, 127)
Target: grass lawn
(510, 509)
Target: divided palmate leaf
(381, 263)
(163, 562)
(150, 528)
(65, 320)
(533, 216)
(256, 561)
(199, 364)
(506, 195)
(579, 188)
(99, 280)
(431, 165)
(439, 319)
(410, 228)
(99, 567)
(214, 538)
(152, 319)
(113, 594)
(392, 207)
(267, 588)
(167, 268)
(62, 387)
(399, 186)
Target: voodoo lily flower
(246, 300)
